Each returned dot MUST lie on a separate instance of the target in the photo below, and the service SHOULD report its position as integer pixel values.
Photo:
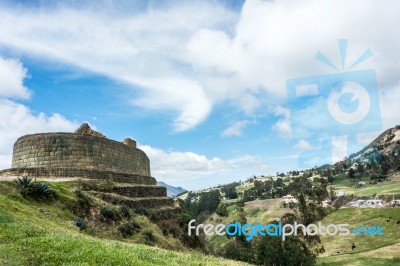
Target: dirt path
(51, 179)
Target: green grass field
(34, 233)
(350, 186)
(370, 250)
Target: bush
(141, 211)
(109, 213)
(81, 223)
(128, 229)
(83, 204)
(43, 191)
(184, 220)
(125, 211)
(80, 194)
(36, 190)
(24, 184)
(221, 210)
(148, 237)
(171, 227)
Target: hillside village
(372, 171)
(368, 181)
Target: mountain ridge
(171, 190)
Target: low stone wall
(152, 202)
(140, 191)
(81, 173)
(67, 150)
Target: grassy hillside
(34, 233)
(378, 250)
(384, 250)
(350, 186)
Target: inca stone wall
(70, 150)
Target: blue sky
(201, 85)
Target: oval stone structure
(71, 150)
(89, 156)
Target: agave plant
(42, 190)
(24, 182)
(81, 223)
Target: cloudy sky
(201, 85)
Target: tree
(351, 173)
(329, 176)
(229, 190)
(221, 210)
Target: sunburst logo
(334, 106)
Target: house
(395, 202)
(375, 203)
(289, 199)
(357, 203)
(340, 194)
(361, 184)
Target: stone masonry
(70, 150)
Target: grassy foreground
(34, 233)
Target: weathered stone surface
(129, 142)
(69, 150)
(140, 191)
(80, 173)
(85, 129)
(151, 202)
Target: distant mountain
(386, 144)
(171, 190)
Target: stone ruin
(91, 155)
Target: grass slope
(34, 233)
(378, 250)
(350, 186)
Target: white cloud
(282, 126)
(235, 129)
(174, 165)
(144, 50)
(17, 119)
(187, 57)
(390, 106)
(12, 73)
(303, 145)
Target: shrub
(141, 211)
(24, 185)
(24, 182)
(109, 213)
(170, 227)
(36, 190)
(81, 223)
(148, 237)
(128, 229)
(42, 190)
(184, 220)
(83, 203)
(125, 211)
(79, 193)
(221, 210)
